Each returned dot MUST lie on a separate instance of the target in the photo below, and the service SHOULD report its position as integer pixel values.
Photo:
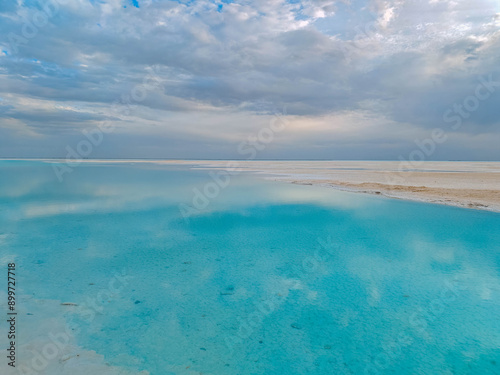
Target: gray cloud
(405, 63)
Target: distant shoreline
(474, 184)
(245, 160)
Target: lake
(266, 278)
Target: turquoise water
(269, 278)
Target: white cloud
(224, 69)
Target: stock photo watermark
(93, 138)
(368, 32)
(221, 179)
(38, 19)
(324, 252)
(455, 115)
(56, 343)
(417, 325)
(33, 23)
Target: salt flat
(463, 184)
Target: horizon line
(228, 159)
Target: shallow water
(269, 278)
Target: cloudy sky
(348, 79)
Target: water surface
(268, 278)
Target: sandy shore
(464, 184)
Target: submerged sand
(464, 184)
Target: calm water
(269, 278)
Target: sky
(264, 79)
